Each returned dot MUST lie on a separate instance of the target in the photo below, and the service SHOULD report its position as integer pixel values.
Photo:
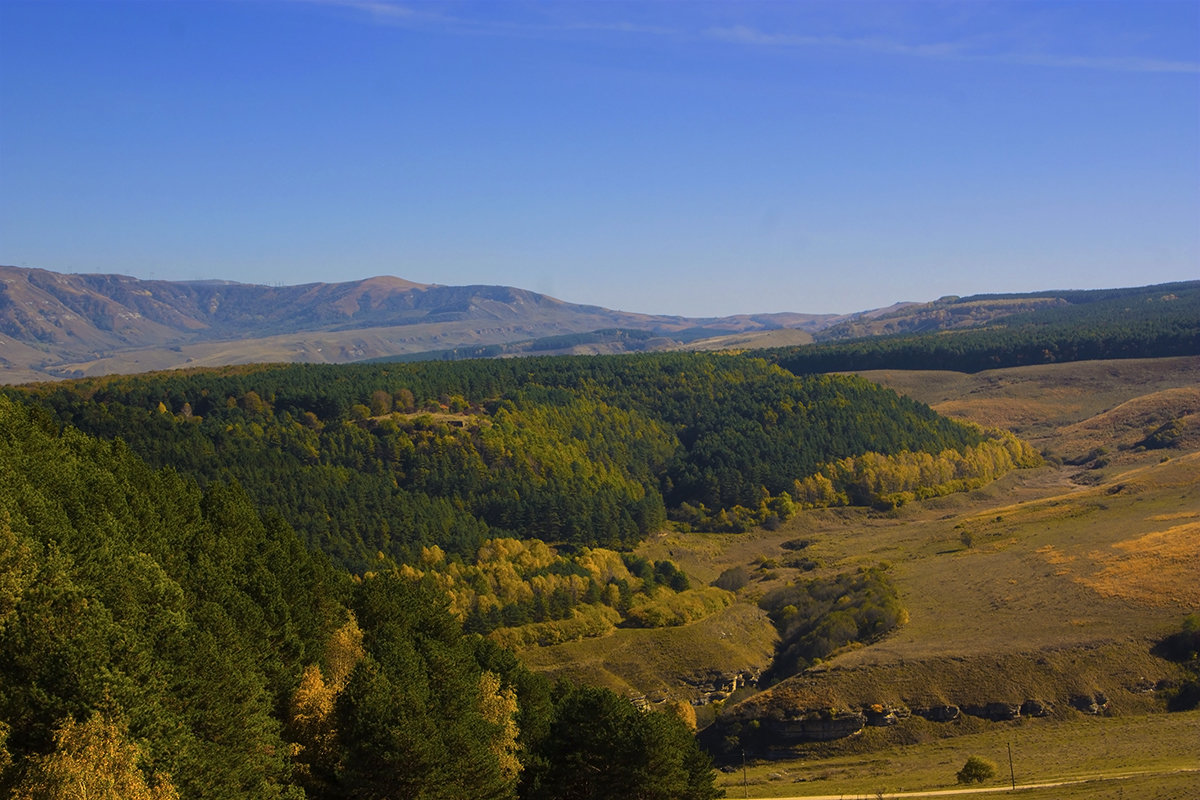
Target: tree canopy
(162, 640)
(594, 452)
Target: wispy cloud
(391, 13)
(1128, 64)
(377, 8)
(421, 15)
(741, 34)
(959, 51)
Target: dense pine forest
(596, 451)
(303, 581)
(161, 640)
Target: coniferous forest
(1146, 322)
(302, 581)
(590, 451)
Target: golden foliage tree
(343, 652)
(311, 711)
(498, 705)
(684, 710)
(92, 760)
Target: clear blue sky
(672, 157)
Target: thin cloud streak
(947, 50)
(1110, 64)
(740, 34)
(388, 13)
(384, 12)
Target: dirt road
(732, 792)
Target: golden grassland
(1037, 402)
(663, 664)
(1156, 569)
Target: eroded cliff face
(830, 703)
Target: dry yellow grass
(1037, 402)
(1173, 517)
(1129, 423)
(1158, 569)
(1011, 413)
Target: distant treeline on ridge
(1148, 322)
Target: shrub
(816, 617)
(976, 770)
(733, 579)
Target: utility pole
(1011, 773)
(745, 782)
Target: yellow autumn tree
(684, 710)
(343, 652)
(498, 704)
(311, 709)
(5, 758)
(312, 723)
(95, 760)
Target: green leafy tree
(411, 721)
(977, 770)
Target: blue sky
(670, 157)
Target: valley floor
(1142, 756)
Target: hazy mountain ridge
(947, 313)
(56, 325)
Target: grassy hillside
(1050, 584)
(1101, 758)
(1072, 574)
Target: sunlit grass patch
(1157, 569)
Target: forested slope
(158, 640)
(592, 451)
(1146, 322)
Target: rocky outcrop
(714, 686)
(945, 713)
(815, 726)
(996, 712)
(1036, 708)
(778, 729)
(1090, 703)
(1101, 680)
(881, 716)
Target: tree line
(1151, 322)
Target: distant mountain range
(55, 325)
